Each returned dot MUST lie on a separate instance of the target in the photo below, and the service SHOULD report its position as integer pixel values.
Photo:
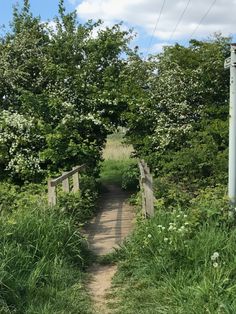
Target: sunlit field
(115, 149)
(118, 166)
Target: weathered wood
(66, 184)
(146, 187)
(141, 169)
(52, 199)
(145, 167)
(141, 182)
(66, 175)
(150, 198)
(75, 182)
(64, 179)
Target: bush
(8, 196)
(82, 204)
(171, 193)
(130, 177)
(14, 196)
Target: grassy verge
(42, 253)
(42, 258)
(181, 261)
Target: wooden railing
(146, 187)
(64, 179)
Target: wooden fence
(146, 187)
(64, 179)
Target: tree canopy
(61, 86)
(179, 117)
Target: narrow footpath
(105, 232)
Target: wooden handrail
(64, 179)
(66, 175)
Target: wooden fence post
(75, 181)
(52, 199)
(146, 186)
(143, 190)
(143, 196)
(66, 184)
(149, 197)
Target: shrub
(14, 196)
(8, 196)
(82, 204)
(130, 177)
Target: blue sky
(45, 8)
(157, 22)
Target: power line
(203, 18)
(155, 28)
(180, 20)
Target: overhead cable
(203, 18)
(179, 20)
(157, 23)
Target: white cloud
(144, 13)
(158, 47)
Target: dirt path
(105, 232)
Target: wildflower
(185, 216)
(215, 265)
(181, 229)
(214, 256)
(159, 226)
(163, 228)
(166, 239)
(149, 236)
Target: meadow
(118, 167)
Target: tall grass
(42, 255)
(118, 167)
(182, 261)
(115, 148)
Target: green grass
(117, 163)
(113, 171)
(167, 265)
(42, 257)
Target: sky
(156, 22)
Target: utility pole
(231, 64)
